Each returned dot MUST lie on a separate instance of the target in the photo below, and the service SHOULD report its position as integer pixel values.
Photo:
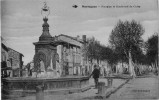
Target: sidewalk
(141, 88)
(86, 95)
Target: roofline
(16, 51)
(61, 41)
(71, 38)
(5, 47)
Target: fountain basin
(27, 86)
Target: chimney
(84, 38)
(78, 37)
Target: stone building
(69, 50)
(11, 62)
(15, 59)
(4, 52)
(4, 58)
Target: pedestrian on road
(95, 74)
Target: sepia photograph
(79, 49)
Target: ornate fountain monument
(45, 73)
(45, 50)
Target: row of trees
(152, 49)
(95, 50)
(126, 45)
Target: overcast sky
(22, 20)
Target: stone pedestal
(40, 92)
(45, 53)
(110, 82)
(101, 88)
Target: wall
(16, 62)
(4, 55)
(70, 55)
(15, 58)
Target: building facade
(69, 50)
(11, 62)
(15, 59)
(4, 58)
(4, 53)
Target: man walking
(95, 74)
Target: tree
(108, 54)
(92, 49)
(95, 50)
(152, 49)
(138, 56)
(125, 36)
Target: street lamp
(45, 11)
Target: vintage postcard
(79, 50)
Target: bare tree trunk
(131, 66)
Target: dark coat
(96, 73)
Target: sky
(22, 20)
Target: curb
(116, 89)
(67, 91)
(108, 93)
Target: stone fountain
(45, 69)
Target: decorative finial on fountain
(45, 11)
